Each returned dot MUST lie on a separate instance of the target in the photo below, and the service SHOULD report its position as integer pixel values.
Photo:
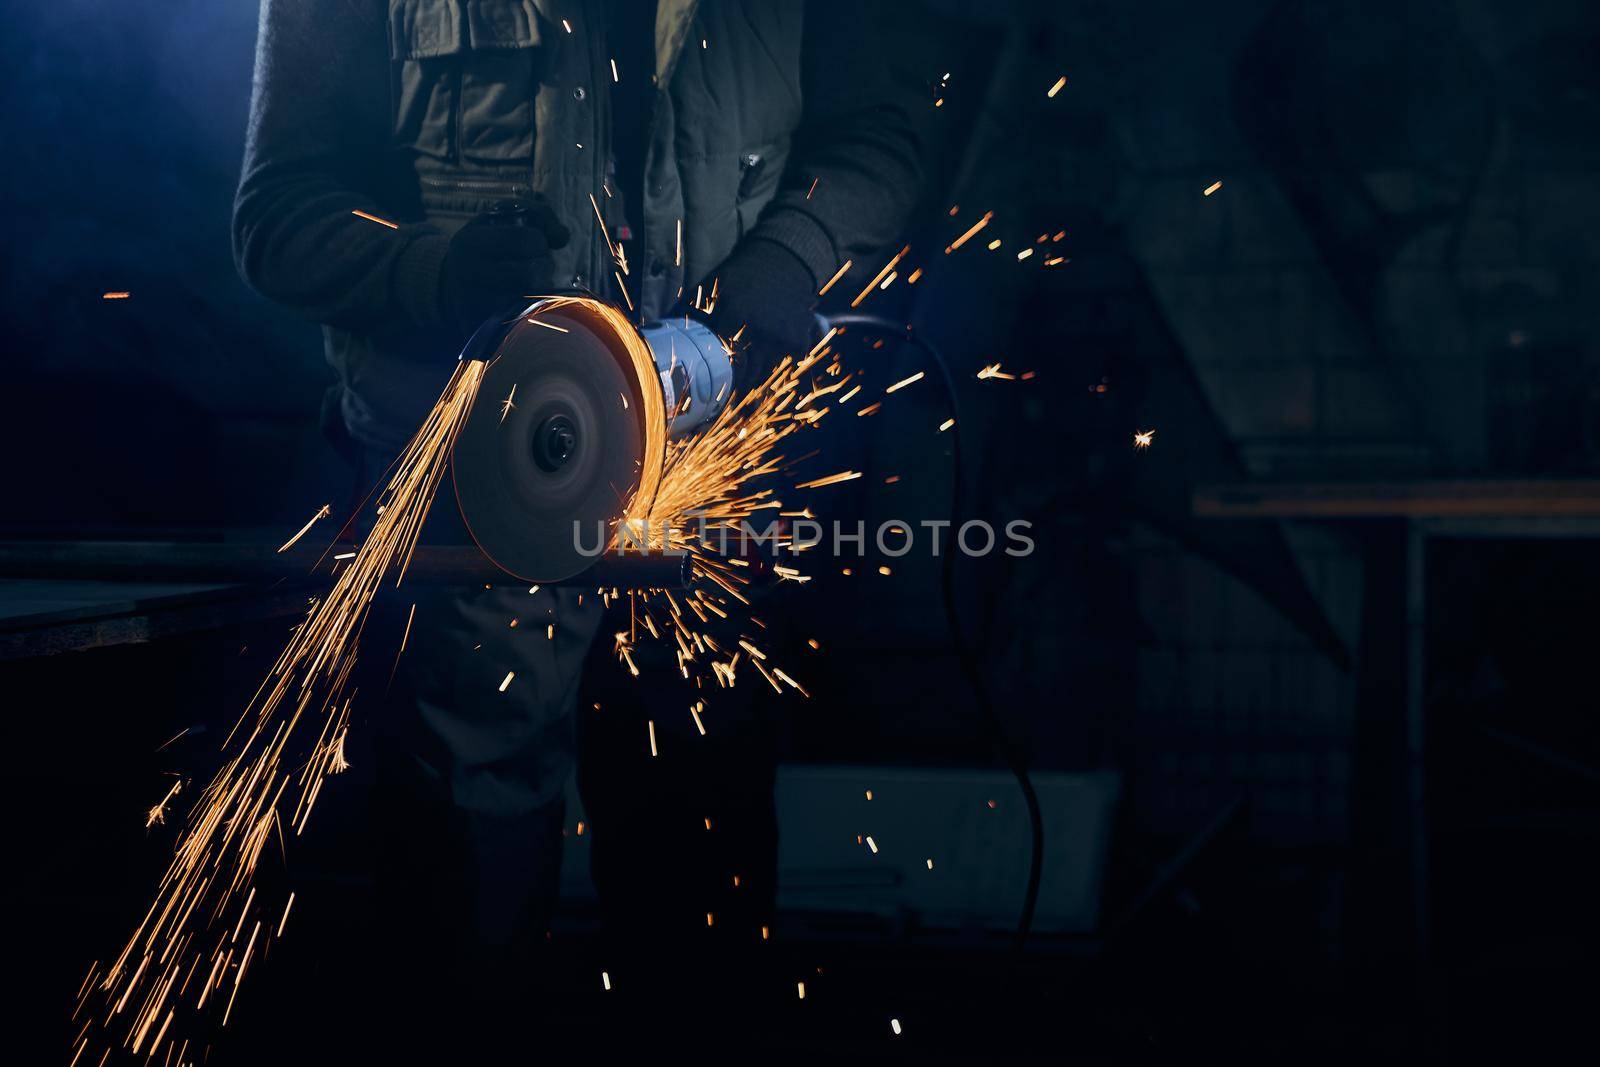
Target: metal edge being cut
(567, 437)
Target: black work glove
(498, 257)
(767, 291)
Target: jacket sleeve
(861, 141)
(318, 133)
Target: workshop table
(41, 617)
(1393, 522)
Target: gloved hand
(769, 292)
(498, 257)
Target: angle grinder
(570, 427)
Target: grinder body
(696, 372)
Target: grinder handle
(485, 340)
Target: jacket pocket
(425, 43)
(464, 78)
(497, 81)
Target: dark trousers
(475, 744)
(684, 852)
(469, 819)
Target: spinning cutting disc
(552, 453)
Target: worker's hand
(765, 290)
(498, 257)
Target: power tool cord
(1009, 750)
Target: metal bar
(1467, 498)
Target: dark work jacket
(426, 112)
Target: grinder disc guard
(555, 468)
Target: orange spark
(876, 278)
(289, 738)
(374, 218)
(832, 479)
(836, 276)
(322, 513)
(158, 814)
(965, 237)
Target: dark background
(1396, 281)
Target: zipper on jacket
(750, 170)
(455, 110)
(474, 185)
